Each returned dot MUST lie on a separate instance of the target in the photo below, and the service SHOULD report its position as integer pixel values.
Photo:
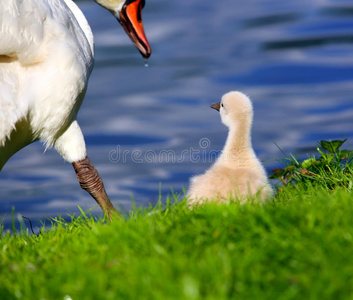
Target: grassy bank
(299, 245)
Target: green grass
(333, 167)
(299, 245)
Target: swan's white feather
(46, 57)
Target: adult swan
(46, 57)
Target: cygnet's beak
(131, 20)
(216, 106)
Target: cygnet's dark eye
(222, 104)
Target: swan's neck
(238, 151)
(82, 21)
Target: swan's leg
(71, 146)
(90, 181)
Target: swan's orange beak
(131, 20)
(216, 106)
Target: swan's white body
(237, 173)
(46, 57)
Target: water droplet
(146, 63)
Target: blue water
(148, 129)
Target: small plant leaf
(332, 146)
(289, 169)
(325, 159)
(305, 172)
(308, 162)
(277, 173)
(346, 154)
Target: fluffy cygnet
(237, 173)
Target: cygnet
(237, 173)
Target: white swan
(237, 173)
(46, 57)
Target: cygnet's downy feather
(237, 173)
